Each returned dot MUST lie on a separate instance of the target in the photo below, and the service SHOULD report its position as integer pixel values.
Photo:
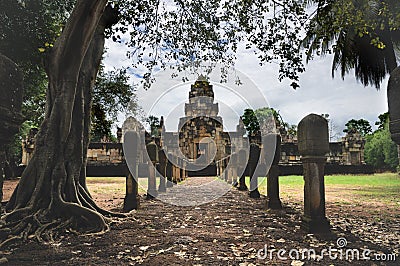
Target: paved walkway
(227, 231)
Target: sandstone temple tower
(201, 135)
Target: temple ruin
(201, 140)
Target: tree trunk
(52, 194)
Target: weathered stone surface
(254, 157)
(313, 144)
(162, 168)
(242, 165)
(152, 151)
(313, 135)
(272, 155)
(132, 199)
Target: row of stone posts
(313, 143)
(170, 170)
(313, 146)
(229, 167)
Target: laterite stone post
(162, 169)
(233, 165)
(272, 152)
(152, 151)
(313, 139)
(242, 165)
(169, 170)
(184, 168)
(181, 166)
(253, 162)
(176, 171)
(225, 170)
(132, 199)
(393, 94)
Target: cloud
(318, 92)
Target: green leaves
(380, 150)
(361, 126)
(360, 33)
(112, 94)
(183, 34)
(250, 121)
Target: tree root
(44, 225)
(84, 197)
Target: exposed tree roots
(45, 224)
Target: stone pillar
(152, 151)
(185, 172)
(132, 199)
(229, 170)
(181, 170)
(162, 167)
(242, 164)
(221, 169)
(224, 170)
(272, 153)
(313, 139)
(393, 94)
(176, 171)
(169, 174)
(233, 163)
(253, 162)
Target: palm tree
(362, 35)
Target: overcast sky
(318, 92)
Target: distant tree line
(380, 150)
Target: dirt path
(227, 231)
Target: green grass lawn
(114, 185)
(381, 187)
(384, 180)
(384, 188)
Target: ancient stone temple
(353, 148)
(201, 133)
(200, 142)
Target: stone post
(233, 162)
(152, 151)
(169, 174)
(227, 170)
(221, 169)
(242, 164)
(162, 167)
(272, 153)
(184, 166)
(253, 162)
(176, 172)
(393, 94)
(182, 169)
(132, 199)
(313, 139)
